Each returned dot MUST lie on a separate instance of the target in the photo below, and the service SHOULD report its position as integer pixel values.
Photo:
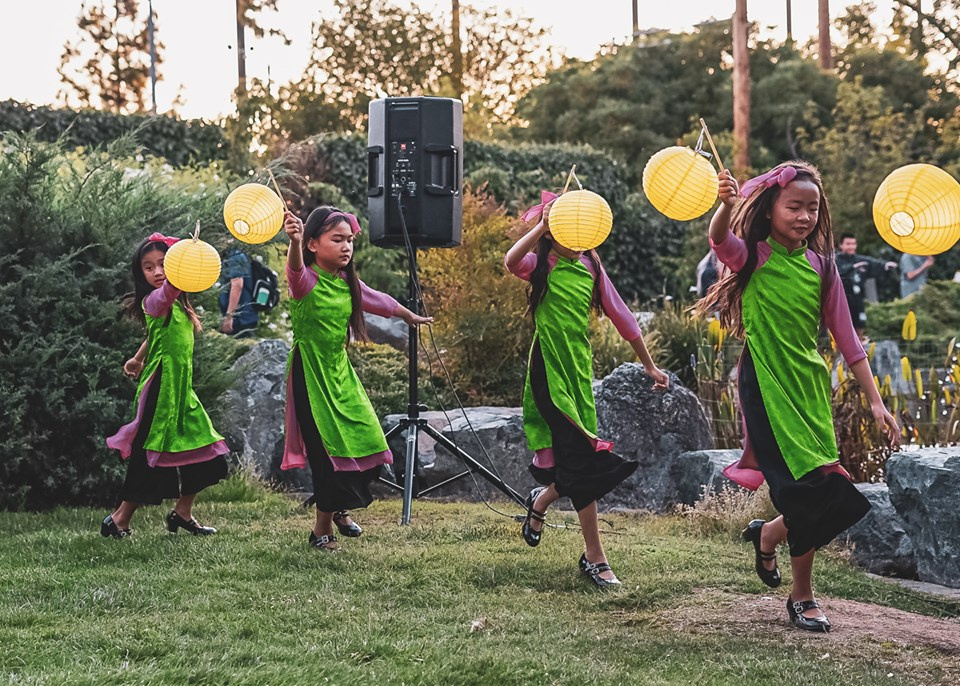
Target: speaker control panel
(403, 168)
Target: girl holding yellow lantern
(330, 423)
(559, 411)
(775, 238)
(172, 448)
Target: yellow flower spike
(713, 331)
(876, 380)
(887, 383)
(905, 368)
(947, 396)
(841, 377)
(956, 374)
(871, 350)
(910, 326)
(918, 378)
(833, 342)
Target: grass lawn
(255, 605)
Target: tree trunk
(457, 51)
(826, 50)
(241, 53)
(741, 92)
(789, 25)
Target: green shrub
(675, 339)
(479, 308)
(178, 141)
(69, 224)
(937, 307)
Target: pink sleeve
(376, 302)
(836, 315)
(299, 283)
(732, 252)
(617, 310)
(160, 300)
(524, 267)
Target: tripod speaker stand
(413, 423)
(414, 178)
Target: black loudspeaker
(415, 165)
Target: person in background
(854, 269)
(236, 295)
(913, 273)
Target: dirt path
(852, 621)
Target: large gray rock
(924, 489)
(255, 413)
(653, 428)
(879, 542)
(698, 473)
(388, 331)
(496, 441)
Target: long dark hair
(132, 303)
(538, 277)
(319, 222)
(751, 222)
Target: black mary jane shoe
(593, 571)
(352, 530)
(531, 535)
(796, 608)
(771, 577)
(326, 542)
(175, 522)
(109, 529)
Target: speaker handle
(449, 153)
(375, 171)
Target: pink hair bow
(546, 197)
(780, 175)
(160, 238)
(349, 218)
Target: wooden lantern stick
(276, 186)
(716, 155)
(572, 175)
(196, 232)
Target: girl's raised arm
(527, 242)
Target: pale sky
(197, 34)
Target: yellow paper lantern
(253, 213)
(192, 265)
(580, 220)
(917, 210)
(680, 183)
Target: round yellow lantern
(680, 183)
(917, 210)
(192, 265)
(253, 213)
(580, 220)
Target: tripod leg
(409, 473)
(473, 465)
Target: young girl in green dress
(559, 411)
(775, 238)
(172, 448)
(330, 422)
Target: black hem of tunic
(580, 472)
(332, 490)
(816, 507)
(146, 485)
